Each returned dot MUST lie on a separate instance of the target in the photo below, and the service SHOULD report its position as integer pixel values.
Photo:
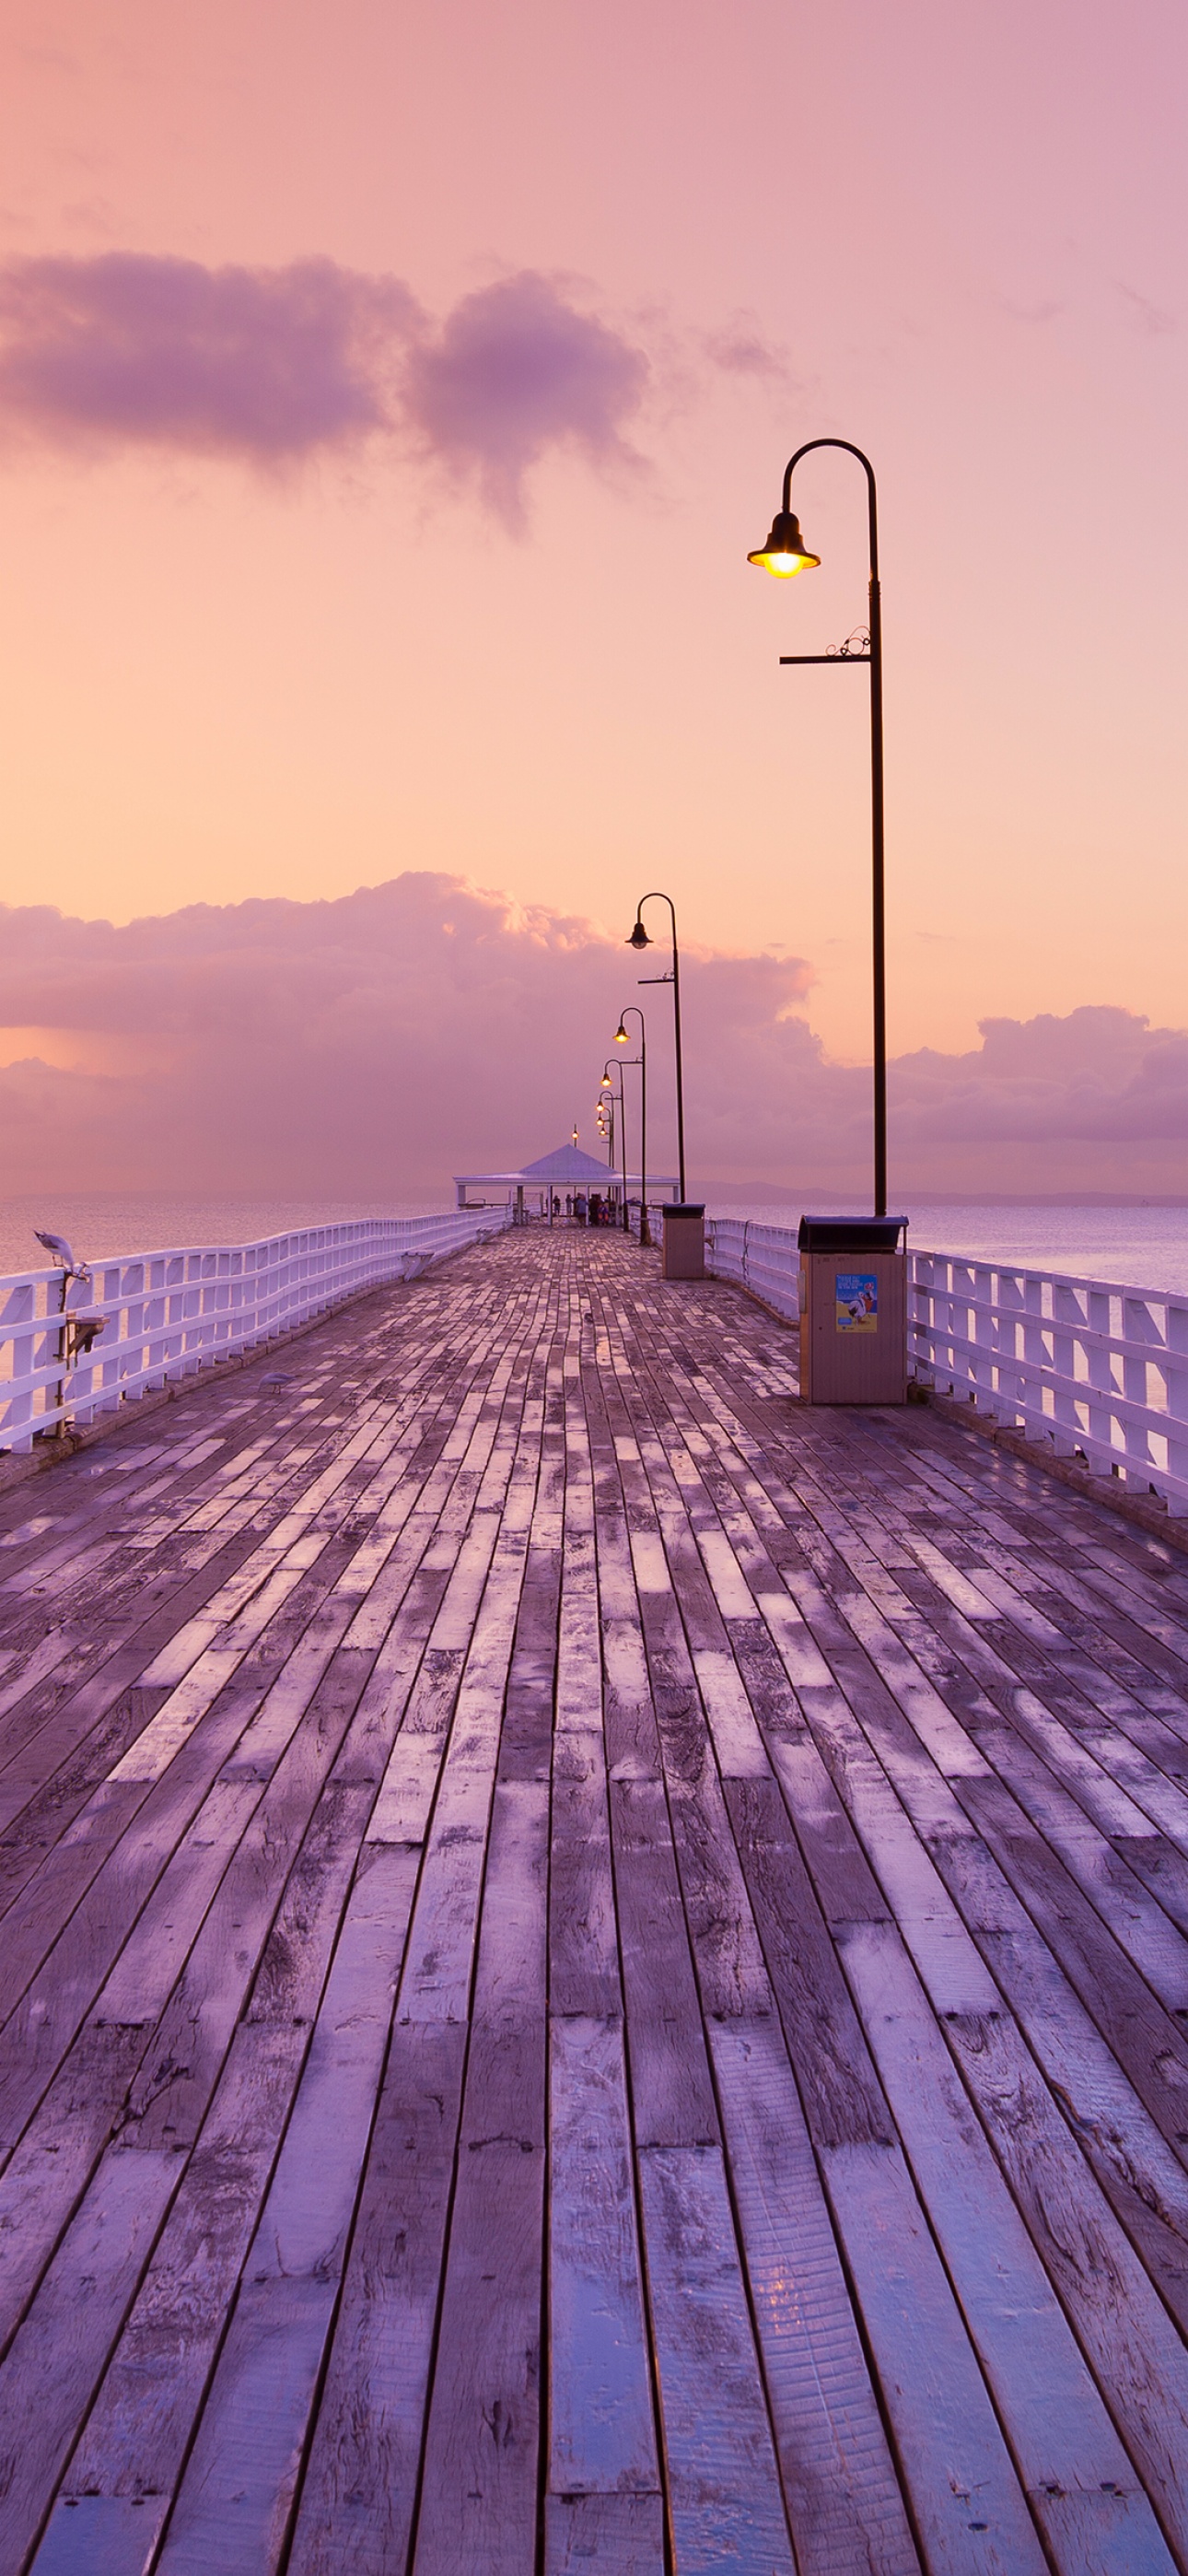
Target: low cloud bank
(275, 366)
(381, 1042)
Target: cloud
(1153, 319)
(381, 1042)
(1100, 1077)
(264, 364)
(515, 370)
(740, 349)
(275, 366)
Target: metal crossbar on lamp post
(639, 939)
(786, 554)
(621, 1039)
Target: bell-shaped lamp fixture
(620, 1035)
(639, 937)
(785, 552)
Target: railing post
(955, 1368)
(20, 1309)
(1067, 1319)
(1100, 1370)
(1035, 1349)
(1009, 1329)
(1137, 1326)
(1176, 1388)
(921, 1268)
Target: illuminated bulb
(785, 552)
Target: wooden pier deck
(593, 1969)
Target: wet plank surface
(593, 1970)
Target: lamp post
(606, 1121)
(786, 554)
(639, 939)
(613, 1066)
(621, 1039)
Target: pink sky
(419, 544)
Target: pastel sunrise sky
(389, 397)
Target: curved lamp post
(606, 1120)
(639, 939)
(786, 554)
(621, 1039)
(612, 1065)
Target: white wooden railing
(1095, 1368)
(1098, 1369)
(166, 1314)
(762, 1258)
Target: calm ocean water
(1142, 1246)
(115, 1221)
(1139, 1246)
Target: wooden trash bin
(853, 1309)
(684, 1242)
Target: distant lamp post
(622, 1039)
(618, 1101)
(639, 939)
(786, 554)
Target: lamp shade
(785, 552)
(639, 937)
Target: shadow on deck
(593, 1969)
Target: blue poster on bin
(856, 1301)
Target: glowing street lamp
(786, 554)
(639, 939)
(622, 1039)
(617, 1101)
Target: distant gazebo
(565, 1173)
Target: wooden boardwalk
(593, 1969)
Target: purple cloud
(267, 364)
(740, 349)
(362, 1033)
(515, 370)
(275, 365)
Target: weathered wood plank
(671, 2090)
(725, 2501)
(844, 2499)
(620, 2535)
(602, 2437)
(360, 2488)
(583, 1934)
(480, 2488)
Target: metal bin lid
(851, 1233)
